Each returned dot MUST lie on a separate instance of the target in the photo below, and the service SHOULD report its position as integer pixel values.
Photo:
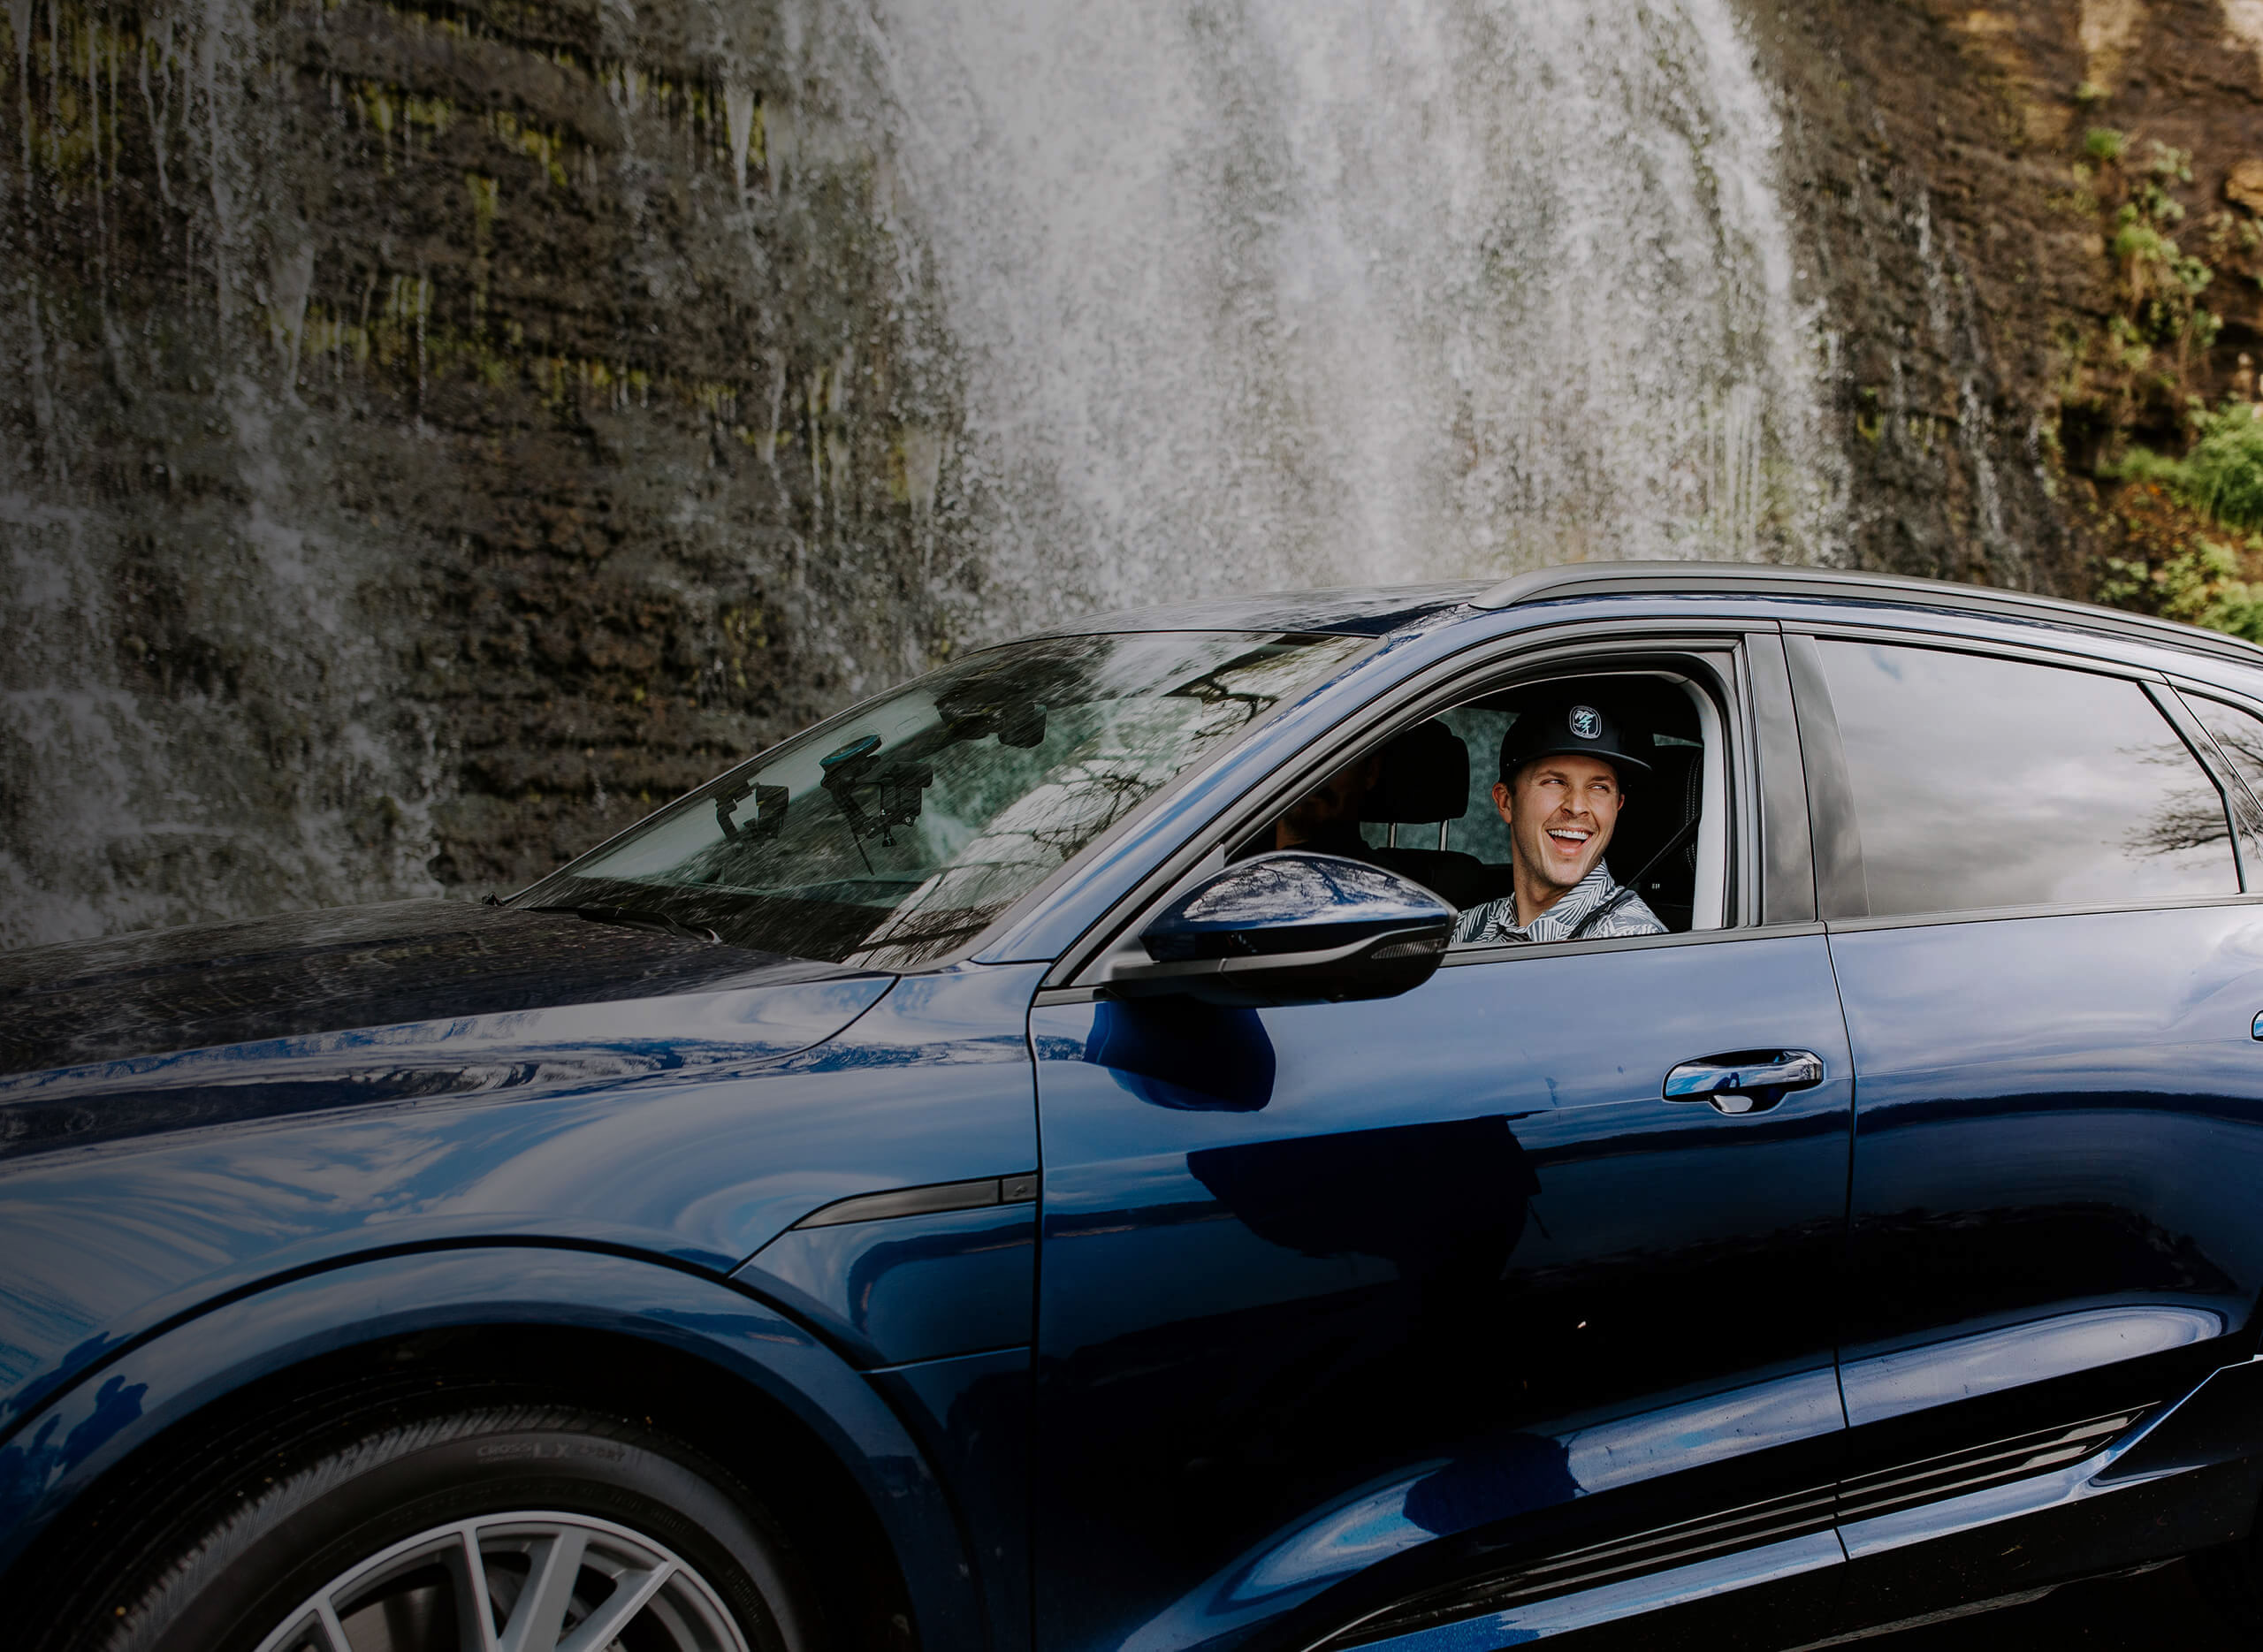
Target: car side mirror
(1290, 928)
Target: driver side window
(1608, 790)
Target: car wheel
(523, 1530)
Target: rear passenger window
(1984, 782)
(2237, 733)
(2238, 736)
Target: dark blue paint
(2057, 1143)
(972, 1416)
(577, 1138)
(167, 1378)
(913, 1288)
(1459, 1266)
(1292, 927)
(1204, 1058)
(1733, 1579)
(2181, 1481)
(2213, 1424)
(563, 1046)
(271, 979)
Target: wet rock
(2243, 185)
(404, 402)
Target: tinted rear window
(1984, 782)
(2238, 734)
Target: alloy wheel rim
(524, 1581)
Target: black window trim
(1788, 882)
(1723, 647)
(1839, 880)
(2020, 914)
(1834, 839)
(2247, 803)
(2240, 817)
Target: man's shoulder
(1633, 917)
(1495, 921)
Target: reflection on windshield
(902, 836)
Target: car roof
(1379, 609)
(1849, 585)
(1346, 611)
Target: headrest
(1425, 779)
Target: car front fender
(163, 1380)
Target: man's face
(1560, 814)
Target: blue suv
(1048, 1162)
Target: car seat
(1425, 781)
(1660, 806)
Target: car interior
(1430, 814)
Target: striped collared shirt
(1495, 922)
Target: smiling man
(1563, 773)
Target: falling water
(1284, 292)
(978, 313)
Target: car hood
(227, 1022)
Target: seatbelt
(1626, 892)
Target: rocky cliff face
(435, 433)
(1961, 171)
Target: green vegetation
(2177, 488)
(2200, 584)
(2223, 474)
(2161, 285)
(2222, 477)
(2191, 528)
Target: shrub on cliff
(2225, 468)
(2220, 475)
(2174, 491)
(2186, 528)
(2199, 584)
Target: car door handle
(1750, 1081)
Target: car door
(2051, 978)
(1359, 1319)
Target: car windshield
(897, 835)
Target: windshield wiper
(633, 917)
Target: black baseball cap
(1568, 725)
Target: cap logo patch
(1586, 722)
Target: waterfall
(1261, 294)
(412, 472)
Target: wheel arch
(693, 1356)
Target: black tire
(251, 1560)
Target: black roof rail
(1757, 579)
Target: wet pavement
(2159, 1610)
